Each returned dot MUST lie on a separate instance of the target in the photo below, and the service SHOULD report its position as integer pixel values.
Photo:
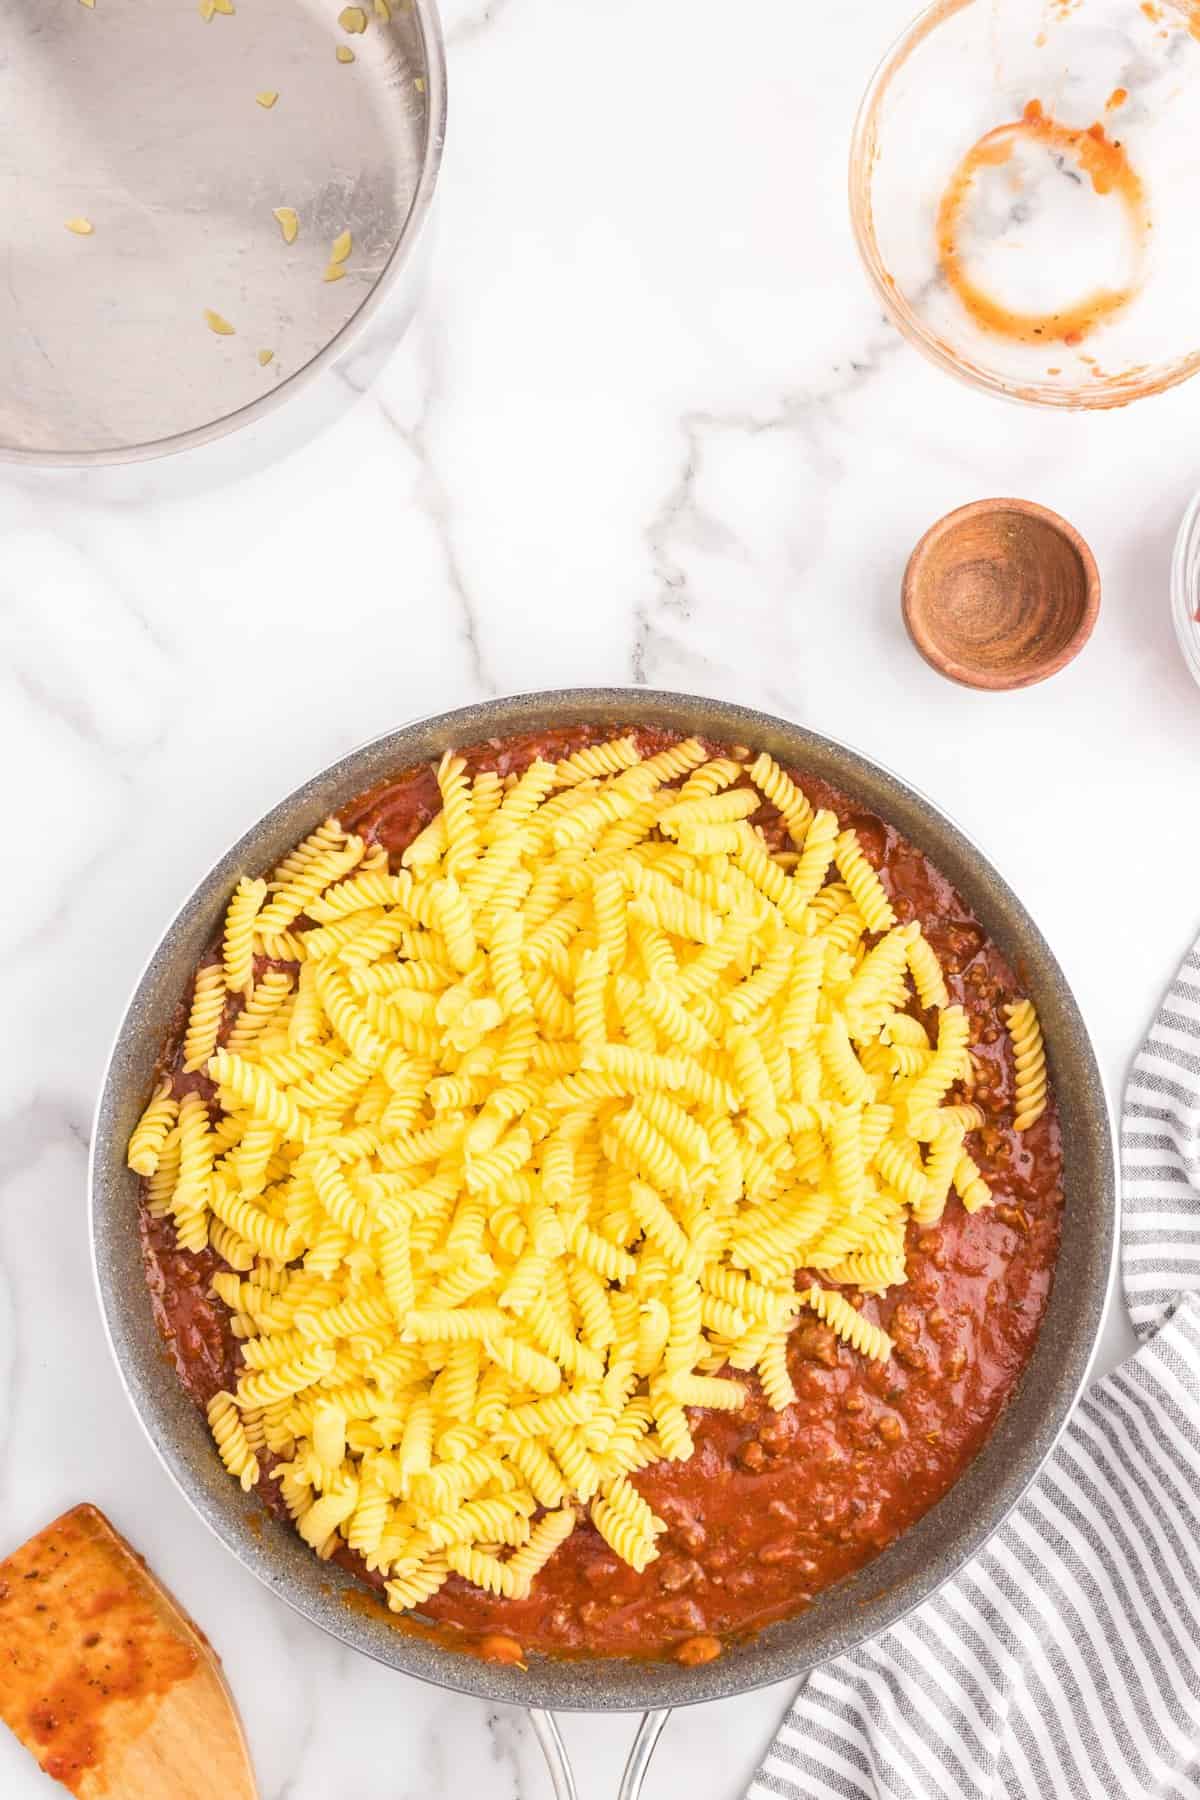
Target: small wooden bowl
(1000, 594)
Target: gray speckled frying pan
(843, 1617)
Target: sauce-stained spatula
(113, 1689)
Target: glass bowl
(1185, 588)
(1024, 179)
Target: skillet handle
(644, 1746)
(562, 1775)
(559, 1763)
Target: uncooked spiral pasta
(1029, 1055)
(241, 921)
(794, 806)
(462, 833)
(636, 1144)
(927, 973)
(551, 1530)
(943, 1068)
(265, 1000)
(710, 778)
(254, 1088)
(940, 1165)
(228, 1429)
(816, 856)
(675, 760)
(410, 1590)
(514, 1163)
(774, 1374)
(365, 1529)
(255, 1149)
(205, 1017)
(487, 1520)
(847, 1163)
(160, 1186)
(484, 1571)
(597, 760)
(711, 1391)
(192, 1195)
(623, 1535)
(327, 836)
(231, 1248)
(844, 1069)
(151, 1131)
(863, 882)
(868, 1339)
(969, 1184)
(871, 1271)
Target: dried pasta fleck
(289, 222)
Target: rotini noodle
(205, 1017)
(1029, 1057)
(241, 921)
(152, 1130)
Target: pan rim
(603, 1684)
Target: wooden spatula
(105, 1680)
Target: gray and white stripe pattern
(1064, 1662)
(1160, 1157)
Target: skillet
(880, 1594)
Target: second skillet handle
(559, 1763)
(644, 1746)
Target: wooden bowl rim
(1036, 669)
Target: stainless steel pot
(145, 152)
(842, 1618)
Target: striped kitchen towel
(1064, 1662)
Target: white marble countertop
(650, 428)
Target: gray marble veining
(667, 439)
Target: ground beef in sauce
(773, 1507)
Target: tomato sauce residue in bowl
(1088, 150)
